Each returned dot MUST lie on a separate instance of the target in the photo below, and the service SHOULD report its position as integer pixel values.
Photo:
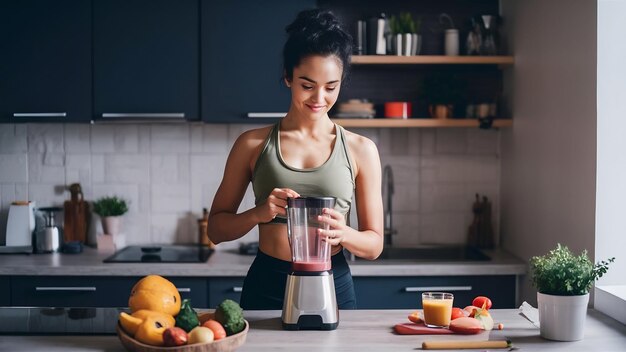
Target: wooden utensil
(457, 344)
(76, 216)
(203, 230)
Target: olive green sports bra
(334, 178)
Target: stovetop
(161, 254)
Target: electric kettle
(20, 224)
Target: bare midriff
(273, 241)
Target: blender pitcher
(309, 251)
(310, 301)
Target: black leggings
(264, 286)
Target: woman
(304, 153)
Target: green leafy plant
(562, 273)
(110, 206)
(404, 23)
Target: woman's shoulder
(254, 137)
(363, 151)
(359, 144)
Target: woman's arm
(224, 222)
(367, 242)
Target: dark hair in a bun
(316, 32)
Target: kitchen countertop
(226, 263)
(359, 330)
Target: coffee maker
(310, 302)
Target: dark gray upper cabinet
(146, 59)
(241, 57)
(45, 60)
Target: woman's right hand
(275, 204)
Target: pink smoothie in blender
(309, 251)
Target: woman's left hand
(338, 228)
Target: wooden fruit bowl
(229, 343)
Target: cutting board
(419, 329)
(76, 219)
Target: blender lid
(311, 202)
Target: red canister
(398, 109)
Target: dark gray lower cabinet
(76, 291)
(5, 291)
(221, 288)
(403, 292)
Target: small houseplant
(563, 281)
(405, 33)
(110, 209)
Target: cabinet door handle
(183, 289)
(437, 288)
(68, 288)
(39, 114)
(237, 288)
(152, 115)
(267, 114)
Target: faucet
(388, 190)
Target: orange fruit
(155, 293)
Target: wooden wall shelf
(431, 60)
(425, 122)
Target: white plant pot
(562, 318)
(111, 225)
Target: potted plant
(110, 210)
(406, 40)
(563, 281)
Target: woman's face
(315, 85)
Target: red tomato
(457, 313)
(414, 317)
(482, 302)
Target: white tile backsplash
(13, 168)
(168, 173)
(45, 138)
(13, 139)
(77, 139)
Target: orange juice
(437, 309)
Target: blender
(310, 302)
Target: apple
(201, 334)
(174, 337)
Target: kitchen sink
(433, 254)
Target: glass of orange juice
(437, 309)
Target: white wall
(611, 188)
(170, 172)
(549, 156)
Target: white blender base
(310, 302)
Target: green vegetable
(187, 319)
(230, 315)
(561, 273)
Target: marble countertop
(226, 263)
(359, 330)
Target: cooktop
(161, 254)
